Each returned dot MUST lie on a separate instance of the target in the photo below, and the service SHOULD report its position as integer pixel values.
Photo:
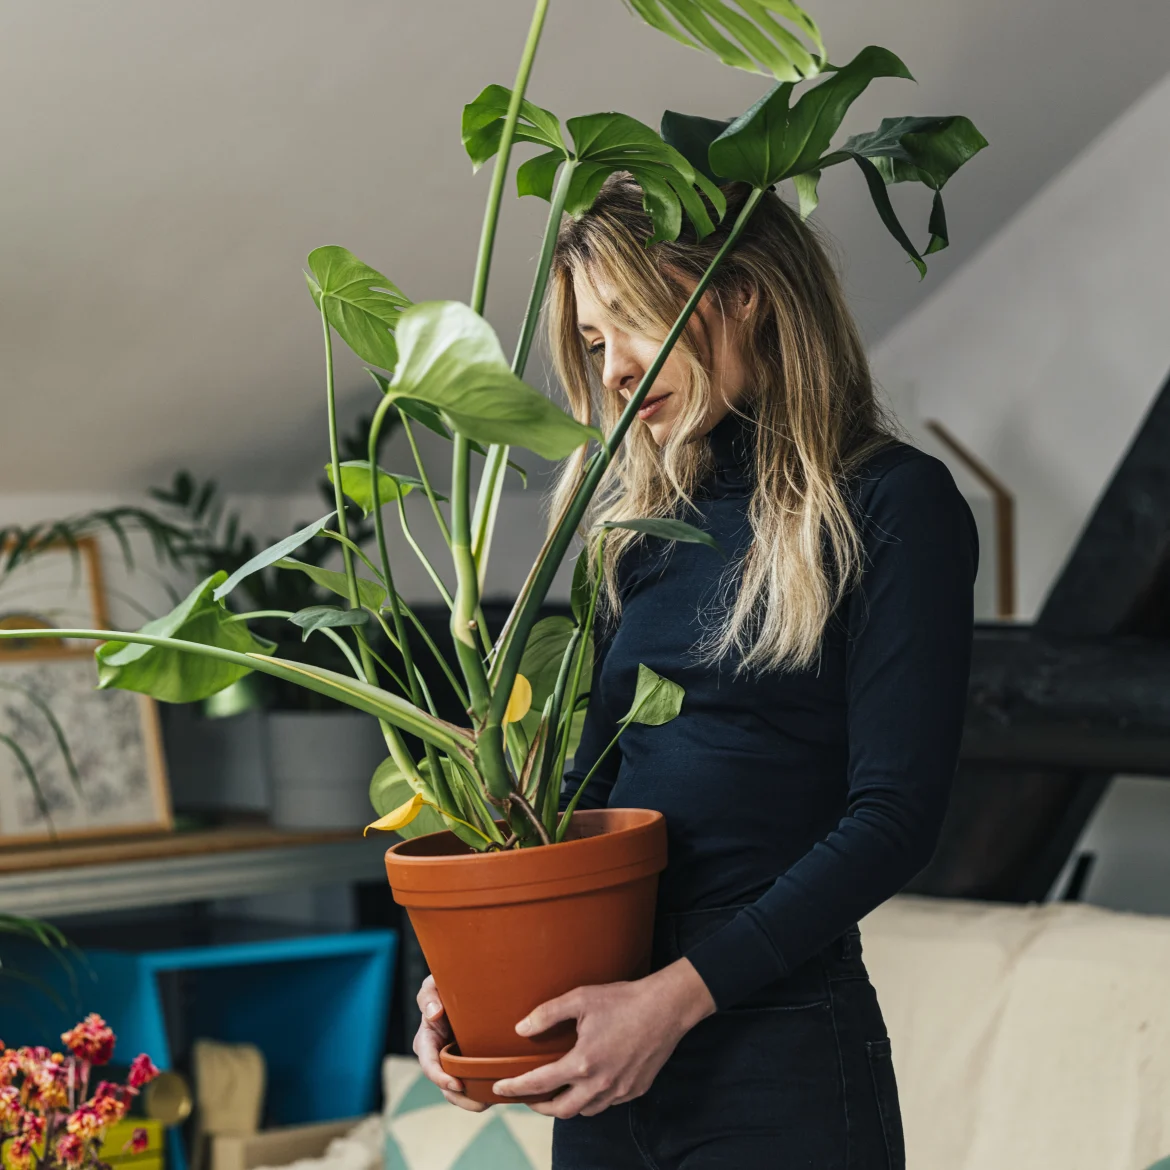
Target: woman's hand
(433, 1032)
(625, 1032)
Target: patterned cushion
(423, 1132)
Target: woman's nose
(621, 373)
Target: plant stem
(424, 478)
(491, 484)
(432, 572)
(439, 784)
(520, 622)
(394, 740)
(491, 216)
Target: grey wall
(168, 166)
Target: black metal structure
(1059, 707)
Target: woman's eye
(596, 350)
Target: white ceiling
(168, 166)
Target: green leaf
(360, 303)
(665, 529)
(657, 700)
(541, 663)
(483, 125)
(389, 789)
(174, 676)
(692, 135)
(370, 593)
(326, 617)
(271, 555)
(745, 34)
(806, 192)
(922, 150)
(885, 209)
(452, 360)
(774, 140)
(602, 144)
(355, 483)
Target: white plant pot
(321, 763)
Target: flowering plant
(48, 1116)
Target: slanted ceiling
(168, 166)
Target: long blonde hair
(816, 415)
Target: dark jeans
(797, 1076)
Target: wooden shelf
(164, 869)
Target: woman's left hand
(625, 1032)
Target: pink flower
(138, 1142)
(10, 1107)
(20, 1153)
(110, 1102)
(32, 1126)
(142, 1070)
(10, 1065)
(91, 1040)
(70, 1149)
(86, 1122)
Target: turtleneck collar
(733, 449)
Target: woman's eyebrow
(583, 328)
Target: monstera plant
(494, 779)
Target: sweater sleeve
(907, 666)
(597, 731)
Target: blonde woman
(825, 659)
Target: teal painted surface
(493, 1148)
(422, 1094)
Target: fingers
(564, 1007)
(465, 1102)
(428, 999)
(546, 1079)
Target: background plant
(494, 779)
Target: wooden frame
(87, 555)
(115, 737)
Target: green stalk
(515, 635)
(354, 693)
(424, 478)
(491, 484)
(432, 572)
(490, 751)
(442, 791)
(394, 740)
(491, 216)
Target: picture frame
(109, 778)
(58, 585)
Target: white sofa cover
(1026, 1037)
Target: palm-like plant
(495, 781)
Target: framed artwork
(58, 587)
(118, 784)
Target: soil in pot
(504, 932)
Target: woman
(825, 660)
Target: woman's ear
(746, 299)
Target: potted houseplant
(515, 901)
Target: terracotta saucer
(479, 1073)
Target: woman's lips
(651, 405)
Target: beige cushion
(1032, 1037)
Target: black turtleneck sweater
(806, 797)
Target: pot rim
(623, 846)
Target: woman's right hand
(433, 1033)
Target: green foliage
(745, 34)
(666, 529)
(360, 303)
(175, 676)
(327, 617)
(451, 360)
(602, 144)
(777, 139)
(355, 482)
(657, 700)
(269, 556)
(370, 593)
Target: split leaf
(360, 303)
(326, 617)
(175, 676)
(270, 555)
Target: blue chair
(315, 1005)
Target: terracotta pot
(504, 932)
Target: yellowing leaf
(519, 701)
(398, 817)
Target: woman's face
(625, 357)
